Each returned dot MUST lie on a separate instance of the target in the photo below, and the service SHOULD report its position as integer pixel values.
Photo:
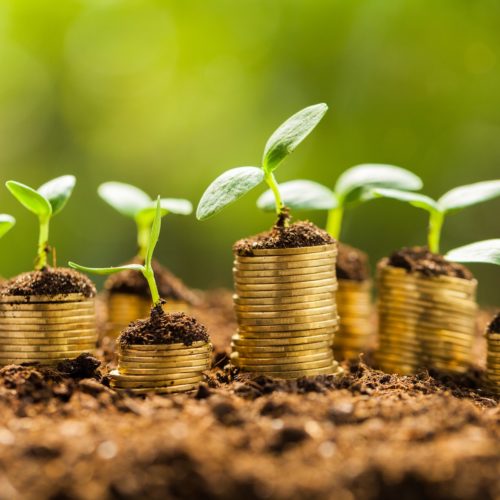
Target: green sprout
(352, 188)
(45, 202)
(485, 252)
(136, 204)
(451, 202)
(7, 222)
(236, 182)
(146, 269)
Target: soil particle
(132, 282)
(421, 260)
(287, 438)
(164, 328)
(50, 281)
(352, 264)
(494, 326)
(296, 235)
(84, 366)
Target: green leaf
(487, 252)
(168, 205)
(290, 134)
(472, 194)
(106, 270)
(7, 222)
(58, 191)
(355, 183)
(300, 195)
(227, 188)
(125, 198)
(30, 199)
(155, 235)
(414, 199)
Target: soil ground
(64, 434)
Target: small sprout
(485, 252)
(451, 202)
(352, 188)
(236, 182)
(45, 202)
(7, 222)
(146, 269)
(134, 203)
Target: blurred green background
(167, 95)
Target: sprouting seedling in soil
(236, 182)
(451, 202)
(137, 205)
(485, 252)
(352, 188)
(45, 202)
(7, 222)
(146, 269)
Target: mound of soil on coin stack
(164, 328)
(132, 282)
(296, 235)
(50, 281)
(421, 260)
(352, 264)
(494, 326)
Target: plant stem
(150, 277)
(43, 244)
(334, 221)
(143, 234)
(271, 182)
(435, 226)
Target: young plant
(352, 188)
(146, 269)
(45, 202)
(7, 222)
(236, 182)
(451, 202)
(485, 252)
(136, 204)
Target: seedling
(485, 252)
(236, 182)
(146, 269)
(7, 222)
(45, 202)
(352, 188)
(451, 202)
(136, 204)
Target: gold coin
(295, 251)
(311, 339)
(25, 357)
(287, 334)
(168, 354)
(285, 321)
(312, 325)
(298, 299)
(42, 341)
(49, 335)
(283, 294)
(157, 372)
(131, 368)
(244, 354)
(168, 347)
(158, 376)
(33, 299)
(286, 285)
(356, 286)
(15, 350)
(286, 280)
(289, 367)
(172, 360)
(87, 305)
(122, 384)
(288, 308)
(329, 309)
(65, 313)
(281, 265)
(243, 274)
(271, 259)
(144, 363)
(284, 350)
(237, 358)
(330, 370)
(45, 321)
(160, 390)
(47, 328)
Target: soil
(132, 282)
(494, 326)
(164, 328)
(296, 235)
(50, 281)
(421, 260)
(368, 435)
(352, 264)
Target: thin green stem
(150, 277)
(334, 221)
(273, 185)
(143, 235)
(436, 220)
(43, 243)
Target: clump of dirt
(164, 328)
(132, 282)
(421, 260)
(352, 264)
(84, 366)
(494, 326)
(49, 281)
(296, 235)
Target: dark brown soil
(50, 281)
(352, 264)
(296, 235)
(494, 326)
(420, 259)
(132, 282)
(164, 328)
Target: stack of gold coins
(46, 329)
(425, 322)
(161, 368)
(493, 360)
(123, 308)
(354, 305)
(286, 311)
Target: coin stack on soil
(163, 354)
(427, 314)
(46, 328)
(286, 310)
(493, 360)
